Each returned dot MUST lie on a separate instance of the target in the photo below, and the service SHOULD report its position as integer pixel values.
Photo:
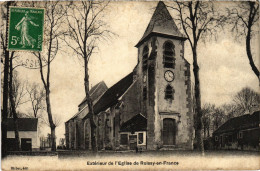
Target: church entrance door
(169, 131)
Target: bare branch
(36, 95)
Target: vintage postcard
(130, 85)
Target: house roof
(161, 23)
(136, 123)
(240, 123)
(24, 124)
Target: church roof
(94, 93)
(108, 98)
(161, 23)
(111, 96)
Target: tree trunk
(13, 109)
(91, 109)
(5, 104)
(208, 131)
(53, 139)
(204, 129)
(198, 129)
(51, 123)
(5, 91)
(248, 51)
(217, 122)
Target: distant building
(45, 142)
(151, 107)
(242, 133)
(28, 134)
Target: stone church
(151, 107)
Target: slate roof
(240, 123)
(93, 91)
(94, 94)
(161, 23)
(136, 123)
(24, 124)
(111, 96)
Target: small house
(133, 133)
(242, 133)
(28, 134)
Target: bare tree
(54, 19)
(37, 96)
(4, 28)
(57, 120)
(218, 118)
(53, 30)
(16, 95)
(230, 110)
(86, 28)
(245, 20)
(10, 91)
(207, 111)
(198, 20)
(246, 100)
(12, 102)
(18, 90)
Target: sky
(224, 67)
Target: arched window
(168, 55)
(169, 92)
(145, 57)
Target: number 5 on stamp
(25, 29)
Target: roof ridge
(243, 119)
(98, 84)
(163, 23)
(142, 115)
(93, 91)
(100, 97)
(127, 90)
(136, 116)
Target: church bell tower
(164, 82)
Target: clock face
(169, 76)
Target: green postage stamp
(25, 29)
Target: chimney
(246, 112)
(253, 108)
